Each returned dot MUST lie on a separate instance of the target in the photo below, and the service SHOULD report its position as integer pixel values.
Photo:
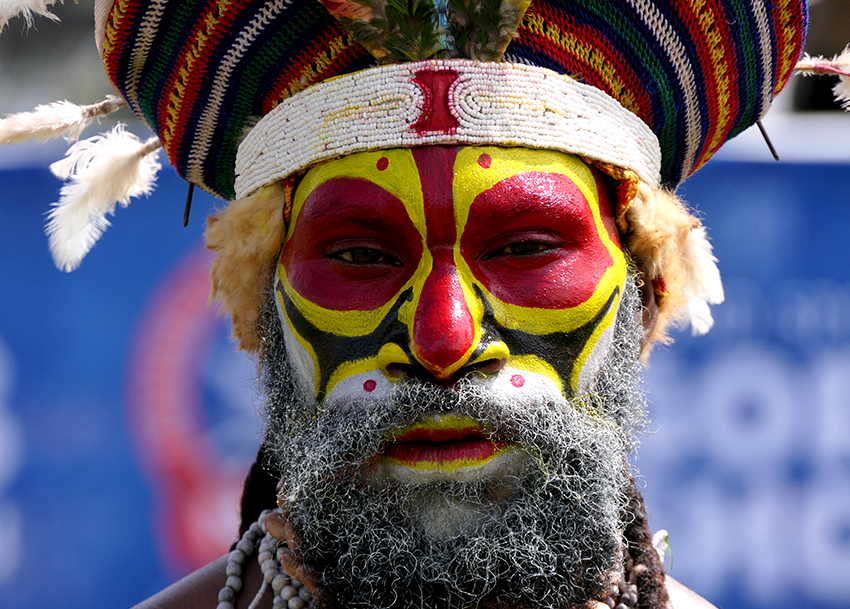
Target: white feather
(842, 92)
(838, 65)
(102, 171)
(703, 286)
(54, 120)
(26, 9)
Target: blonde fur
(671, 247)
(247, 235)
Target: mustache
(342, 438)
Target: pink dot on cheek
(369, 386)
(382, 163)
(517, 380)
(484, 160)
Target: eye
(525, 247)
(364, 256)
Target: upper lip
(439, 435)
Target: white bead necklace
(289, 593)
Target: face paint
(437, 261)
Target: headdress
(245, 95)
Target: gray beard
(550, 537)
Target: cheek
(302, 361)
(592, 359)
(355, 388)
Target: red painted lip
(441, 445)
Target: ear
(648, 310)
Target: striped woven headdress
(201, 72)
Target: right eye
(364, 256)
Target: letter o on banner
(750, 409)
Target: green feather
(409, 30)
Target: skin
(428, 263)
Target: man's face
(437, 262)
(453, 388)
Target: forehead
(462, 176)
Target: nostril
(398, 371)
(486, 367)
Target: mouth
(442, 443)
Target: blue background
(749, 470)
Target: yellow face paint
(437, 259)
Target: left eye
(364, 255)
(522, 248)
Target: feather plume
(101, 171)
(838, 65)
(26, 9)
(410, 30)
(54, 120)
(483, 29)
(702, 286)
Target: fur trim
(25, 9)
(101, 171)
(838, 65)
(247, 236)
(668, 243)
(702, 286)
(54, 120)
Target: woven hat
(245, 94)
(201, 73)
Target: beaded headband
(444, 101)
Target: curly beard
(548, 537)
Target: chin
(441, 510)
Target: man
(483, 463)
(449, 265)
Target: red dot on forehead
(517, 380)
(485, 160)
(382, 163)
(369, 386)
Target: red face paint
(521, 258)
(547, 210)
(443, 328)
(344, 222)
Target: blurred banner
(127, 421)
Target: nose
(443, 327)
(447, 340)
